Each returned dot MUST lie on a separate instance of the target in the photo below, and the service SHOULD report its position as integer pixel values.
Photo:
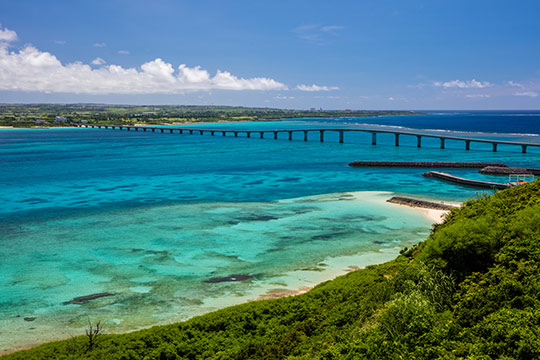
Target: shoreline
(436, 216)
(38, 127)
(140, 125)
(297, 281)
(432, 209)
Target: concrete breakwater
(466, 182)
(497, 170)
(427, 164)
(419, 203)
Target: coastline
(332, 267)
(140, 125)
(38, 127)
(337, 266)
(289, 283)
(361, 260)
(435, 215)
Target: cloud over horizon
(30, 69)
(471, 84)
(526, 93)
(316, 88)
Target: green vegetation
(29, 115)
(470, 291)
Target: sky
(295, 54)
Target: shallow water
(156, 258)
(150, 217)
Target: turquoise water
(151, 217)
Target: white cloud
(317, 34)
(7, 35)
(30, 69)
(471, 84)
(98, 61)
(123, 52)
(515, 84)
(193, 75)
(330, 28)
(391, 98)
(100, 45)
(477, 96)
(316, 88)
(526, 93)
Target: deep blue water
(513, 122)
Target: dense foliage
(471, 290)
(27, 115)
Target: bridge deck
(340, 131)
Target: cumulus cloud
(99, 45)
(30, 69)
(526, 93)
(7, 35)
(316, 88)
(471, 84)
(98, 61)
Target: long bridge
(397, 134)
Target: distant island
(58, 115)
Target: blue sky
(290, 54)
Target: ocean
(156, 219)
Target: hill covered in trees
(470, 291)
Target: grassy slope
(471, 290)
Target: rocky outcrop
(419, 203)
(234, 277)
(84, 299)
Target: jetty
(427, 164)
(466, 182)
(443, 139)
